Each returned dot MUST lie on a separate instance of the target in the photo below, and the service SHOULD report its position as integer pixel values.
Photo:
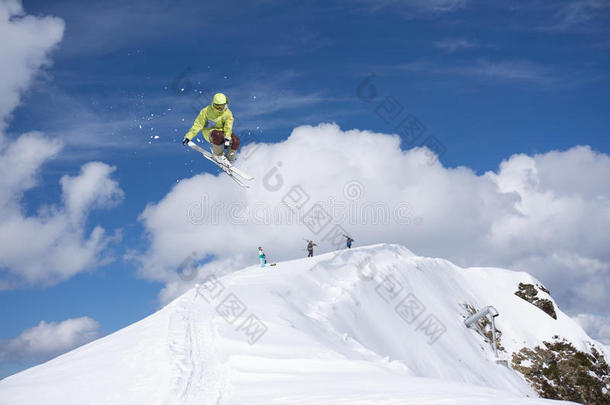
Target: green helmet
(219, 102)
(219, 98)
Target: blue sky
(487, 79)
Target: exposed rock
(559, 371)
(529, 292)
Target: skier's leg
(232, 151)
(218, 142)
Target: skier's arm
(228, 127)
(198, 125)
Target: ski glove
(185, 141)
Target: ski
(238, 175)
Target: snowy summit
(370, 325)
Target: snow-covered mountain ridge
(370, 325)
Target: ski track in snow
(196, 363)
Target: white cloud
(547, 214)
(579, 12)
(93, 188)
(54, 244)
(48, 340)
(19, 162)
(509, 70)
(589, 16)
(408, 7)
(438, 6)
(485, 70)
(443, 5)
(25, 45)
(598, 327)
(455, 44)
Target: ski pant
(263, 262)
(310, 253)
(217, 138)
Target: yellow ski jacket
(221, 120)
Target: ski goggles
(220, 107)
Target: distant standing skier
(310, 246)
(216, 123)
(348, 241)
(262, 257)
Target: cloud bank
(49, 339)
(26, 43)
(546, 214)
(54, 243)
(597, 326)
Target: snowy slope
(533, 326)
(311, 331)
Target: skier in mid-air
(310, 246)
(216, 123)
